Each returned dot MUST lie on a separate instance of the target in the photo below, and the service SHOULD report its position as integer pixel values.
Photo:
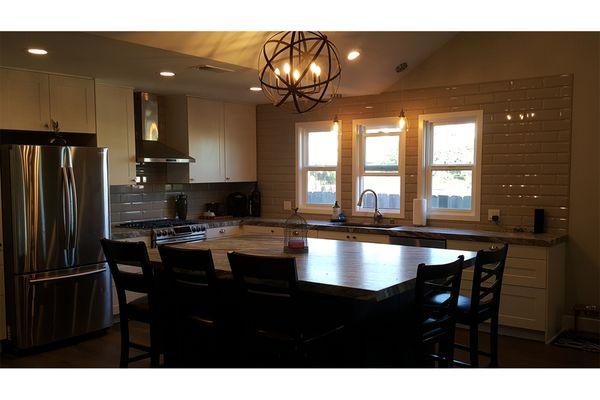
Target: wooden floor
(102, 351)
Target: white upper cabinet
(206, 140)
(31, 100)
(72, 103)
(220, 136)
(24, 100)
(240, 142)
(116, 130)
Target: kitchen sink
(367, 225)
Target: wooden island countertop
(362, 271)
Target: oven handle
(176, 241)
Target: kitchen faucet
(377, 217)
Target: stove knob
(158, 233)
(164, 233)
(194, 229)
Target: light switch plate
(287, 205)
(492, 212)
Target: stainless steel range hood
(148, 148)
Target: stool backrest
(131, 254)
(434, 280)
(268, 288)
(487, 278)
(189, 277)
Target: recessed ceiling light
(353, 55)
(167, 73)
(37, 52)
(255, 89)
(368, 107)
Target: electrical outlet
(492, 212)
(287, 205)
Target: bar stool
(484, 304)
(190, 290)
(272, 308)
(143, 309)
(436, 319)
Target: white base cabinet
(533, 291)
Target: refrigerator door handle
(74, 214)
(77, 275)
(66, 211)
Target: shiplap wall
(525, 162)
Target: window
(318, 174)
(378, 164)
(450, 160)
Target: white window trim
(357, 167)
(423, 175)
(302, 128)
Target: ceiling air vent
(212, 68)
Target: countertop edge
(527, 239)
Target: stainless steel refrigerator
(55, 211)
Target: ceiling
(135, 58)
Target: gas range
(165, 231)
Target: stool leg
(474, 345)
(124, 326)
(154, 347)
(494, 342)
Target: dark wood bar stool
(272, 308)
(191, 296)
(143, 309)
(484, 303)
(436, 319)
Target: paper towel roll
(419, 212)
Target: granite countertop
(361, 271)
(118, 232)
(429, 232)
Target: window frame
(358, 172)
(425, 152)
(302, 167)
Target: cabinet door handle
(191, 179)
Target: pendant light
(403, 122)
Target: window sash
(427, 168)
(303, 169)
(359, 170)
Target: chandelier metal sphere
(299, 70)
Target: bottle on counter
(254, 203)
(336, 210)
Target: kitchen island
(361, 271)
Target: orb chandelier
(299, 70)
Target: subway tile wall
(151, 201)
(525, 162)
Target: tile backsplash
(151, 201)
(526, 162)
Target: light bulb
(336, 125)
(403, 122)
(296, 74)
(313, 68)
(277, 72)
(317, 70)
(286, 68)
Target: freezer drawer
(57, 305)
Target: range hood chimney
(148, 148)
